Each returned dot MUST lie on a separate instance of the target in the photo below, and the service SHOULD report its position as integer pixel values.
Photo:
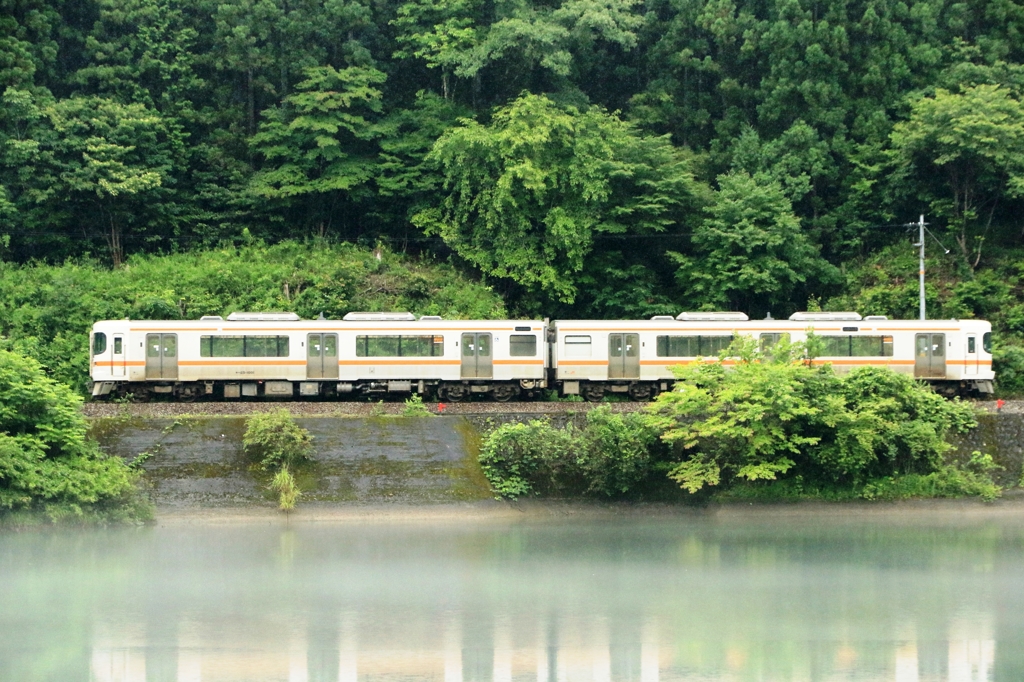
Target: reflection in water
(582, 657)
(658, 601)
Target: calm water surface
(692, 597)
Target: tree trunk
(114, 243)
(252, 100)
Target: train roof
(278, 322)
(670, 324)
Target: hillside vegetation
(771, 427)
(613, 158)
(582, 158)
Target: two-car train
(279, 355)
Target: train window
(691, 346)
(522, 345)
(856, 346)
(769, 340)
(577, 347)
(422, 346)
(972, 346)
(986, 342)
(222, 346)
(118, 349)
(383, 346)
(243, 346)
(99, 343)
(713, 345)
(260, 346)
(399, 346)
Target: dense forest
(610, 158)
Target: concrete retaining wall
(194, 461)
(199, 461)
(1002, 436)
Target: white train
(279, 355)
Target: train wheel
(187, 394)
(505, 392)
(640, 392)
(593, 393)
(453, 394)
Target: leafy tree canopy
(773, 414)
(749, 254)
(528, 194)
(45, 456)
(975, 140)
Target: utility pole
(921, 229)
(920, 273)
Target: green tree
(974, 142)
(276, 440)
(528, 194)
(318, 148)
(749, 253)
(439, 33)
(512, 46)
(772, 416)
(746, 423)
(406, 137)
(46, 458)
(90, 162)
(263, 47)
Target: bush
(974, 479)
(769, 418)
(46, 459)
(287, 489)
(1008, 363)
(414, 407)
(608, 457)
(276, 440)
(520, 459)
(615, 453)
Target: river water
(766, 595)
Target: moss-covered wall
(199, 461)
(1002, 436)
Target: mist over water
(682, 597)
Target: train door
(930, 361)
(322, 356)
(161, 356)
(476, 356)
(623, 356)
(971, 355)
(117, 369)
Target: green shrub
(286, 488)
(615, 453)
(1008, 364)
(519, 459)
(947, 481)
(608, 457)
(772, 418)
(414, 407)
(276, 440)
(46, 459)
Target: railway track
(97, 410)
